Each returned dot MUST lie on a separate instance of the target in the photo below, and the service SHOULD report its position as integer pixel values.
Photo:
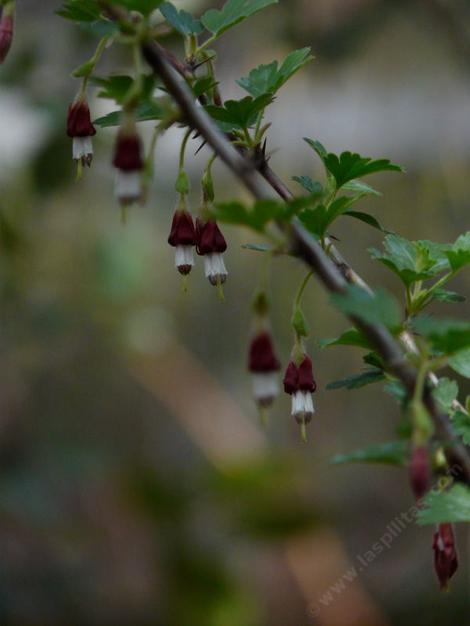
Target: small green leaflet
(239, 114)
(147, 111)
(445, 335)
(378, 308)
(117, 87)
(460, 362)
(356, 381)
(349, 165)
(351, 337)
(233, 12)
(443, 295)
(260, 214)
(461, 422)
(412, 260)
(446, 506)
(317, 220)
(270, 78)
(182, 21)
(310, 185)
(393, 453)
(446, 393)
(80, 10)
(367, 219)
(459, 254)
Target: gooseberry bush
(405, 345)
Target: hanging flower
(129, 165)
(419, 471)
(81, 129)
(211, 244)
(7, 23)
(299, 383)
(264, 365)
(183, 238)
(445, 554)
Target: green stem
(184, 144)
(300, 293)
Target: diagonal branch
(302, 244)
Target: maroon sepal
(79, 120)
(183, 232)
(128, 153)
(209, 238)
(445, 554)
(419, 471)
(291, 379)
(262, 357)
(306, 380)
(7, 23)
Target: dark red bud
(420, 471)
(7, 23)
(79, 120)
(262, 357)
(128, 153)
(306, 380)
(209, 238)
(291, 379)
(445, 554)
(182, 232)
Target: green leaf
(442, 507)
(461, 422)
(317, 220)
(349, 165)
(356, 381)
(239, 114)
(397, 390)
(412, 260)
(233, 12)
(117, 87)
(100, 28)
(310, 185)
(459, 254)
(145, 112)
(443, 295)
(445, 335)
(378, 308)
(367, 219)
(260, 214)
(460, 362)
(80, 10)
(351, 337)
(257, 247)
(203, 85)
(182, 21)
(446, 393)
(146, 7)
(386, 453)
(270, 78)
(359, 187)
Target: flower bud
(129, 165)
(81, 130)
(211, 244)
(300, 384)
(264, 365)
(419, 471)
(7, 23)
(183, 238)
(445, 554)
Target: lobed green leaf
(442, 507)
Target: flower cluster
(208, 240)
(300, 384)
(81, 130)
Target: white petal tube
(302, 406)
(82, 149)
(128, 186)
(184, 258)
(265, 387)
(215, 269)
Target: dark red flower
(262, 357)
(300, 384)
(183, 238)
(291, 379)
(128, 152)
(419, 471)
(7, 23)
(79, 120)
(445, 554)
(209, 238)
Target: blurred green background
(136, 485)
